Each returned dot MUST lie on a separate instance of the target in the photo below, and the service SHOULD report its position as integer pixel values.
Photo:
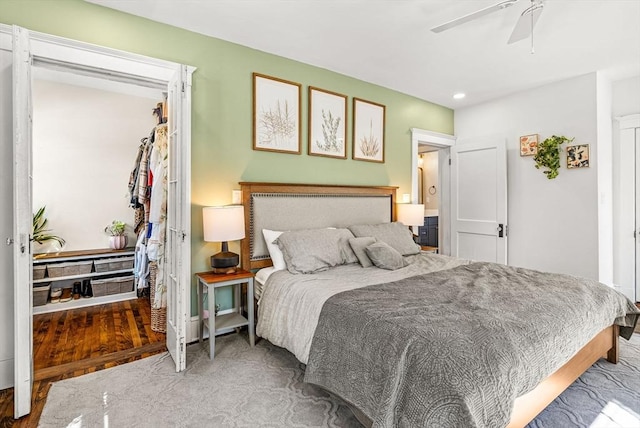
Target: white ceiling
(389, 42)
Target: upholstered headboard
(278, 206)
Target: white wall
(85, 143)
(6, 221)
(553, 224)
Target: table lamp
(411, 214)
(223, 224)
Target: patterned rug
(263, 387)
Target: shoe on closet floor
(66, 295)
(77, 290)
(87, 290)
(55, 295)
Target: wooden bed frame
(526, 407)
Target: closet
(86, 133)
(27, 51)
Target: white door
(177, 250)
(22, 219)
(627, 208)
(479, 200)
(637, 225)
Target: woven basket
(158, 316)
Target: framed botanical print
(368, 130)
(327, 123)
(276, 114)
(578, 156)
(529, 145)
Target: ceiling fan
(523, 28)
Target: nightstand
(217, 324)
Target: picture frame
(529, 145)
(578, 156)
(368, 131)
(327, 123)
(276, 114)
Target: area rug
(263, 387)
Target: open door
(177, 250)
(479, 200)
(22, 219)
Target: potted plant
(39, 231)
(548, 155)
(117, 238)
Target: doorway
(435, 147)
(86, 133)
(29, 48)
(429, 196)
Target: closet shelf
(84, 302)
(81, 276)
(68, 256)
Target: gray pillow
(385, 257)
(358, 245)
(396, 234)
(315, 250)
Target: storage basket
(39, 271)
(99, 287)
(69, 268)
(126, 284)
(113, 264)
(158, 315)
(41, 294)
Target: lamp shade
(411, 214)
(223, 224)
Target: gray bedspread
(455, 348)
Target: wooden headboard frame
(250, 188)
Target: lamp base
(224, 261)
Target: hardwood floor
(79, 341)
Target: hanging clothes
(158, 211)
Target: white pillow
(277, 258)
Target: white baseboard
(6, 374)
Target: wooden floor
(79, 341)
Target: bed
(365, 333)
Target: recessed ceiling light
(459, 96)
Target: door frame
(85, 58)
(443, 142)
(627, 268)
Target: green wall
(222, 152)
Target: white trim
(444, 142)
(22, 220)
(630, 121)
(431, 138)
(60, 49)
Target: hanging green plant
(548, 155)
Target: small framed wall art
(368, 130)
(327, 123)
(529, 145)
(578, 156)
(276, 114)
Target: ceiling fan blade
(526, 23)
(474, 15)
